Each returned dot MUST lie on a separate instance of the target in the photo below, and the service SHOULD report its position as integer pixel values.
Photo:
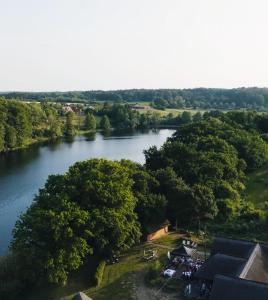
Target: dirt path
(142, 292)
(161, 246)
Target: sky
(63, 45)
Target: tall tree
(89, 210)
(105, 123)
(70, 124)
(90, 122)
(11, 137)
(2, 137)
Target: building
(155, 232)
(240, 265)
(137, 106)
(238, 289)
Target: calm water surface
(22, 173)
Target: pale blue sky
(111, 44)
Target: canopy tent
(183, 251)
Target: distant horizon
(127, 89)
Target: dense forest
(22, 123)
(99, 208)
(250, 98)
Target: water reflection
(17, 160)
(90, 136)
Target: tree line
(249, 98)
(22, 124)
(100, 208)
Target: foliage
(150, 205)
(70, 124)
(90, 122)
(123, 117)
(21, 123)
(88, 210)
(105, 123)
(99, 273)
(249, 98)
(10, 285)
(201, 170)
(99, 207)
(153, 274)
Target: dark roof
(183, 251)
(237, 248)
(221, 264)
(81, 296)
(226, 288)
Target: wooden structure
(156, 232)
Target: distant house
(155, 232)
(137, 106)
(67, 109)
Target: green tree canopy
(87, 211)
(206, 158)
(90, 122)
(70, 124)
(105, 123)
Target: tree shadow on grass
(80, 280)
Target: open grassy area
(174, 111)
(122, 280)
(257, 186)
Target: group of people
(191, 267)
(187, 275)
(205, 290)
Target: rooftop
(236, 258)
(221, 264)
(235, 289)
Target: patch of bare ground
(143, 292)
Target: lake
(23, 172)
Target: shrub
(99, 273)
(153, 275)
(10, 286)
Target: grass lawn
(179, 111)
(123, 280)
(257, 186)
(120, 281)
(174, 111)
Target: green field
(257, 186)
(174, 111)
(120, 281)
